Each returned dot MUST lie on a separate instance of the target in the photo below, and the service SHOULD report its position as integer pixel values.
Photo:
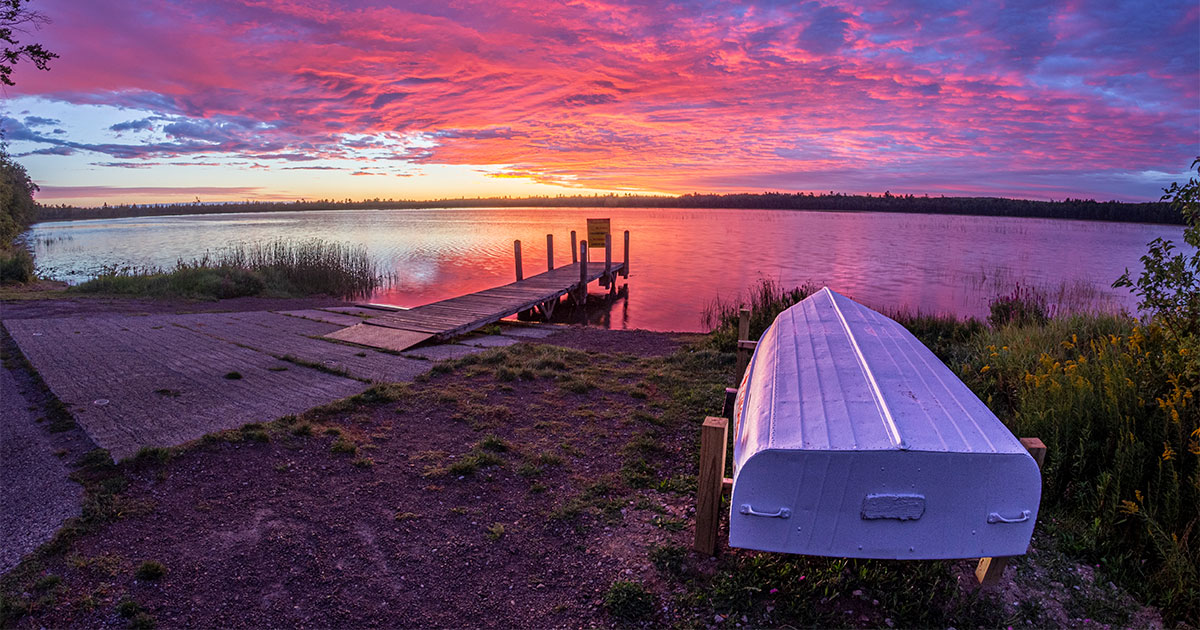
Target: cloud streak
(1025, 99)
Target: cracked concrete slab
(36, 496)
(490, 341)
(530, 332)
(443, 352)
(133, 381)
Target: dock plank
(462, 314)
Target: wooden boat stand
(712, 484)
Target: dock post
(574, 251)
(990, 570)
(608, 277)
(625, 269)
(714, 436)
(517, 252)
(583, 275)
(549, 252)
(743, 354)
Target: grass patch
(494, 444)
(151, 455)
(628, 601)
(150, 570)
(343, 446)
(495, 532)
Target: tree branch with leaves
(17, 19)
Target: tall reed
(277, 268)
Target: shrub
(16, 265)
(1170, 282)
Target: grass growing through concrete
(278, 268)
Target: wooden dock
(535, 296)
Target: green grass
(628, 601)
(278, 268)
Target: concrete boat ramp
(162, 380)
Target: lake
(680, 259)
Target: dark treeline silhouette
(1084, 209)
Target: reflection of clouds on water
(681, 259)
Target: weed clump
(150, 570)
(628, 601)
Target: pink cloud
(648, 97)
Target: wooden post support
(625, 269)
(608, 277)
(730, 398)
(989, 570)
(517, 251)
(743, 354)
(574, 251)
(714, 436)
(549, 252)
(583, 274)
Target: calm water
(680, 260)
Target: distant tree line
(1083, 209)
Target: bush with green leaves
(1169, 286)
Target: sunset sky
(262, 99)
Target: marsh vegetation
(277, 268)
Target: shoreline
(561, 467)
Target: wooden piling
(549, 252)
(517, 252)
(743, 354)
(574, 250)
(990, 570)
(625, 269)
(608, 276)
(714, 436)
(583, 277)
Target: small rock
(718, 618)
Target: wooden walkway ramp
(539, 294)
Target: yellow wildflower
(984, 369)
(1168, 452)
(1128, 507)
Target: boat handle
(781, 513)
(995, 517)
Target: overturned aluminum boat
(851, 439)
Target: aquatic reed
(278, 268)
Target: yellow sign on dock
(597, 230)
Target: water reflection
(680, 260)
